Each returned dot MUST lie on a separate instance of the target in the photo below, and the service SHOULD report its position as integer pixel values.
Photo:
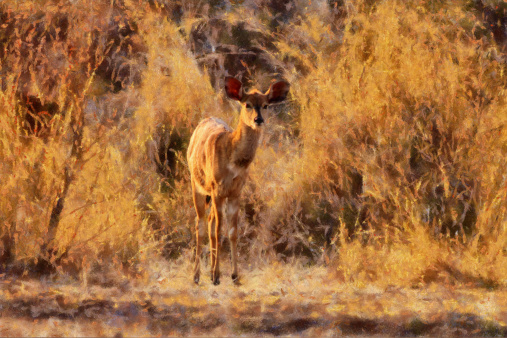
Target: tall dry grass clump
(389, 153)
(70, 174)
(176, 95)
(400, 129)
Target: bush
(390, 147)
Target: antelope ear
(233, 88)
(278, 91)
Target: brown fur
(218, 159)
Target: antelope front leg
(211, 234)
(232, 215)
(217, 219)
(199, 230)
(200, 207)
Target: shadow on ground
(32, 307)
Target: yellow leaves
(447, 190)
(384, 264)
(185, 300)
(271, 300)
(251, 297)
(337, 308)
(421, 9)
(327, 299)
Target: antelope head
(255, 103)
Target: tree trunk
(48, 255)
(7, 256)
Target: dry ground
(279, 299)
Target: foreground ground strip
(271, 300)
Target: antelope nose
(259, 120)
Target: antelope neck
(244, 142)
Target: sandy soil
(270, 301)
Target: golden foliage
(390, 153)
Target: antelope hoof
(215, 279)
(196, 279)
(234, 277)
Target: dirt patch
(275, 301)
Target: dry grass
(376, 201)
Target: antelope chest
(235, 170)
(232, 181)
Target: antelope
(218, 158)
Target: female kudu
(218, 159)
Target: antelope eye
(249, 106)
(265, 106)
